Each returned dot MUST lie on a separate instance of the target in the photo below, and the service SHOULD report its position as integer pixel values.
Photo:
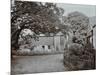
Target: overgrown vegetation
(80, 57)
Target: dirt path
(36, 64)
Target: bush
(79, 57)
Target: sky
(88, 10)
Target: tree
(79, 55)
(79, 24)
(36, 16)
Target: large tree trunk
(14, 39)
(14, 42)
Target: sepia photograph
(52, 37)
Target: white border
(5, 37)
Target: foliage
(80, 58)
(25, 37)
(78, 24)
(36, 16)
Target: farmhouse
(55, 42)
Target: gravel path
(37, 64)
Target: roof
(59, 33)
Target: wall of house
(56, 42)
(94, 37)
(43, 41)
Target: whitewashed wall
(56, 42)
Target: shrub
(79, 57)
